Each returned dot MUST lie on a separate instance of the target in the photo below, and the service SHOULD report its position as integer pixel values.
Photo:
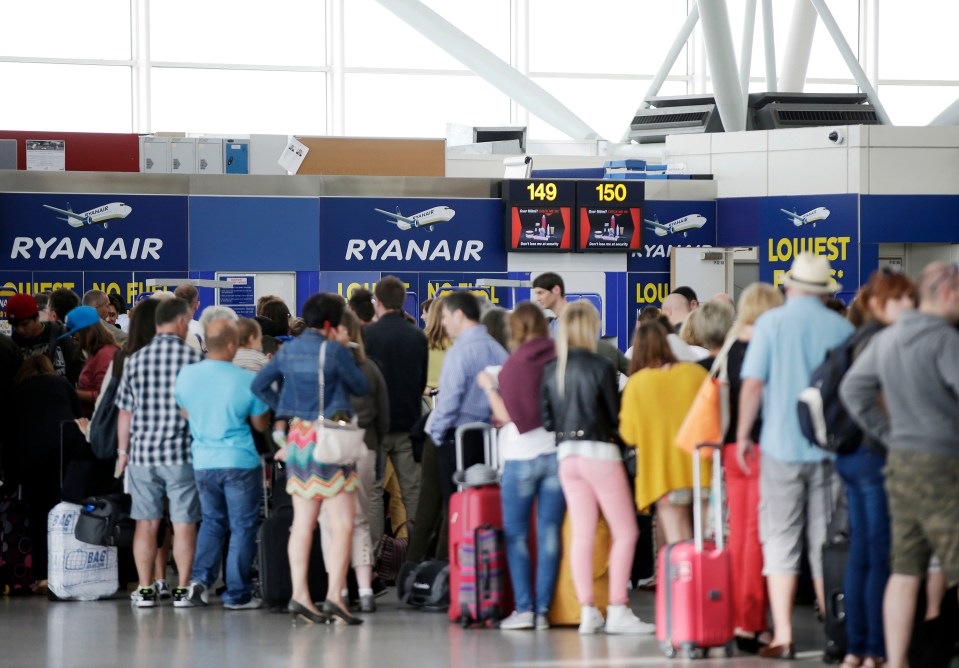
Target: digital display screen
(540, 215)
(540, 228)
(609, 216)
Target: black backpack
(102, 432)
(822, 417)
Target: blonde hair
(436, 337)
(578, 328)
(689, 331)
(714, 321)
(756, 300)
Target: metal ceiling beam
(487, 65)
(769, 47)
(851, 62)
(671, 56)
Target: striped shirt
(159, 435)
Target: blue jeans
(229, 500)
(523, 481)
(869, 550)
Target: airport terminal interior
(303, 146)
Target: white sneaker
(162, 590)
(590, 620)
(253, 604)
(542, 623)
(144, 597)
(518, 621)
(621, 620)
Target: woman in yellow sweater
(655, 402)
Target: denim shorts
(148, 485)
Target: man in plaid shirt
(154, 447)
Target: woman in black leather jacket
(580, 403)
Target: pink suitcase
(470, 509)
(694, 608)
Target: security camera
(836, 137)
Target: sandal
(873, 662)
(852, 661)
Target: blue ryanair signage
(79, 232)
(669, 223)
(411, 234)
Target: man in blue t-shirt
(215, 396)
(795, 484)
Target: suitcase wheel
(465, 618)
(729, 649)
(668, 650)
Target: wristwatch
(123, 453)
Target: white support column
(802, 29)
(140, 72)
(520, 46)
(746, 52)
(872, 41)
(850, 58)
(336, 79)
(488, 66)
(722, 64)
(769, 47)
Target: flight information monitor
(539, 214)
(609, 215)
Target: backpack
(102, 432)
(822, 417)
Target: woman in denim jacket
(296, 368)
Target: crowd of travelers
(201, 400)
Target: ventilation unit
(684, 114)
(773, 111)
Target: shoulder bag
(708, 416)
(337, 441)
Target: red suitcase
(470, 509)
(694, 608)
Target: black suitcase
(835, 554)
(425, 585)
(273, 562)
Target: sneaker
(190, 597)
(542, 623)
(253, 604)
(590, 620)
(518, 621)
(144, 597)
(163, 590)
(621, 620)
(368, 603)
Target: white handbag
(337, 441)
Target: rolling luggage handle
(490, 455)
(717, 491)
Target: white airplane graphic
(428, 218)
(691, 222)
(809, 218)
(97, 216)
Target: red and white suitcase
(694, 607)
(472, 508)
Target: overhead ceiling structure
(730, 83)
(731, 89)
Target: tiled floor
(35, 632)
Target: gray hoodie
(915, 364)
